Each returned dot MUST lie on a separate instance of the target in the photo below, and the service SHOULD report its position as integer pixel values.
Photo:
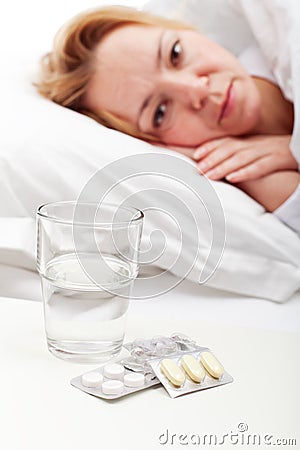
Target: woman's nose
(188, 88)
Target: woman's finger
(208, 147)
(222, 153)
(234, 163)
(258, 169)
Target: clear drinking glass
(87, 257)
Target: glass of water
(87, 257)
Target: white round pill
(92, 379)
(134, 379)
(113, 387)
(114, 371)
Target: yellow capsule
(193, 368)
(211, 365)
(173, 372)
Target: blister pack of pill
(190, 372)
(177, 362)
(113, 381)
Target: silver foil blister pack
(149, 381)
(142, 369)
(188, 385)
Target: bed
(219, 237)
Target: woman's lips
(229, 103)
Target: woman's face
(175, 85)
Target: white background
(29, 25)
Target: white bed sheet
(183, 302)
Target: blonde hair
(68, 68)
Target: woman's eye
(176, 53)
(159, 115)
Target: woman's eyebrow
(157, 66)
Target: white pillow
(49, 153)
(216, 18)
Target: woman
(166, 83)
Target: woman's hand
(248, 158)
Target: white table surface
(39, 409)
